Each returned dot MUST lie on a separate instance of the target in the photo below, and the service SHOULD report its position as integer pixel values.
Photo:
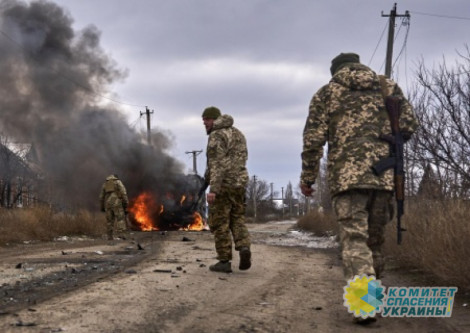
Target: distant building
(18, 175)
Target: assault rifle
(199, 195)
(395, 160)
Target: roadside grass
(41, 223)
(436, 240)
(319, 223)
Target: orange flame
(197, 225)
(142, 208)
(146, 211)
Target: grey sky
(258, 60)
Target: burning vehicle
(182, 209)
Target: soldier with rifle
(350, 114)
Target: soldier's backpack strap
(383, 86)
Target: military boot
(245, 258)
(222, 266)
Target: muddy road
(160, 282)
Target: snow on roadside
(296, 237)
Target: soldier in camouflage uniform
(227, 176)
(114, 201)
(349, 113)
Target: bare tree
(258, 193)
(289, 198)
(442, 103)
(322, 190)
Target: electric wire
(394, 40)
(406, 68)
(405, 21)
(378, 43)
(442, 16)
(135, 122)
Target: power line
(378, 43)
(134, 123)
(405, 21)
(442, 16)
(30, 55)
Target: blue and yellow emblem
(363, 296)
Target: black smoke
(52, 79)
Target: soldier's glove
(103, 210)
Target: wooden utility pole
(147, 113)
(391, 35)
(194, 153)
(254, 198)
(282, 200)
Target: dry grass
(436, 240)
(41, 223)
(320, 224)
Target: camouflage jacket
(226, 156)
(113, 193)
(349, 113)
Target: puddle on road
(296, 238)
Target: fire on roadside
(198, 223)
(148, 215)
(142, 210)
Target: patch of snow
(301, 238)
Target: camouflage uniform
(114, 201)
(349, 113)
(227, 175)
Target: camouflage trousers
(362, 216)
(115, 220)
(227, 220)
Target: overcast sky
(257, 60)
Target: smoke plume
(51, 82)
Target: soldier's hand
(306, 190)
(210, 198)
(103, 210)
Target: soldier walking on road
(227, 176)
(349, 113)
(114, 201)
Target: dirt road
(160, 282)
